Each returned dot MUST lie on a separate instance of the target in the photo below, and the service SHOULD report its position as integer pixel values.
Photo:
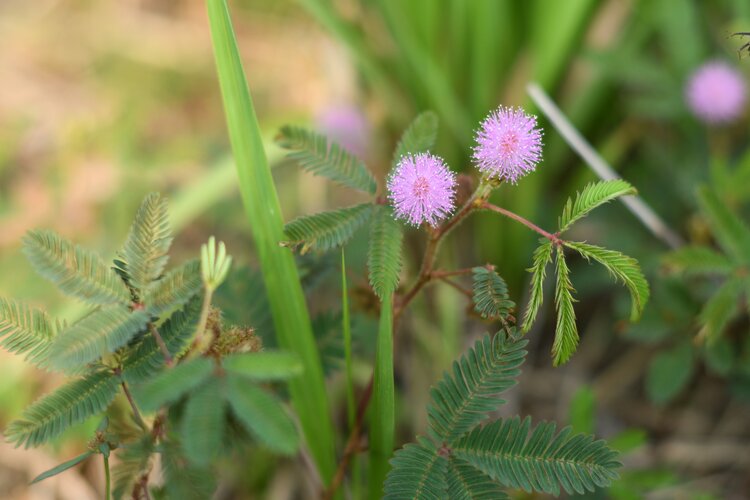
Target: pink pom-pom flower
(716, 93)
(509, 144)
(422, 189)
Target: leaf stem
(554, 238)
(136, 414)
(106, 478)
(162, 345)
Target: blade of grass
(347, 329)
(382, 413)
(290, 315)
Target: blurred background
(103, 101)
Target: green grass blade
(382, 416)
(291, 318)
(347, 329)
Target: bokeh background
(103, 101)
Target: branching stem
(554, 238)
(162, 345)
(136, 414)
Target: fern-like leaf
(592, 196)
(76, 271)
(721, 308)
(145, 358)
(566, 331)
(467, 483)
(464, 397)
(319, 156)
(175, 289)
(97, 334)
(623, 268)
(326, 230)
(491, 294)
(419, 137)
(184, 480)
(384, 254)
(542, 257)
(699, 261)
(133, 459)
(418, 472)
(25, 330)
(69, 405)
(170, 385)
(730, 231)
(262, 415)
(145, 252)
(202, 425)
(543, 461)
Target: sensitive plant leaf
(76, 271)
(25, 330)
(326, 230)
(143, 359)
(669, 372)
(467, 483)
(542, 257)
(144, 254)
(419, 137)
(320, 156)
(721, 308)
(698, 261)
(384, 253)
(215, 264)
(71, 404)
(592, 196)
(490, 294)
(175, 289)
(170, 385)
(184, 480)
(623, 268)
(99, 333)
(566, 331)
(542, 461)
(62, 467)
(133, 459)
(262, 415)
(203, 423)
(463, 398)
(284, 290)
(418, 472)
(262, 366)
(730, 231)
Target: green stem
(106, 478)
(346, 327)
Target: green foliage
(175, 289)
(419, 137)
(262, 415)
(542, 257)
(566, 331)
(76, 271)
(25, 330)
(320, 156)
(69, 405)
(669, 372)
(464, 397)
(62, 467)
(592, 196)
(490, 294)
(267, 365)
(145, 252)
(184, 480)
(697, 261)
(464, 459)
(623, 268)
(384, 254)
(719, 310)
(133, 460)
(96, 335)
(215, 264)
(203, 423)
(170, 385)
(730, 231)
(326, 230)
(543, 461)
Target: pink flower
(716, 93)
(509, 144)
(347, 126)
(422, 189)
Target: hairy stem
(552, 237)
(136, 414)
(162, 345)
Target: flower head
(346, 125)
(422, 189)
(509, 144)
(716, 93)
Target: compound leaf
(467, 483)
(419, 137)
(202, 425)
(384, 254)
(25, 330)
(62, 467)
(326, 230)
(175, 289)
(566, 331)
(170, 385)
(418, 472)
(698, 261)
(490, 294)
(730, 231)
(542, 257)
(592, 196)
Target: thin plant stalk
(286, 299)
(347, 330)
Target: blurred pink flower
(347, 126)
(716, 93)
(509, 144)
(422, 189)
